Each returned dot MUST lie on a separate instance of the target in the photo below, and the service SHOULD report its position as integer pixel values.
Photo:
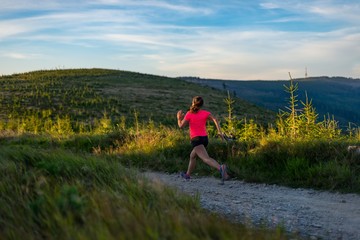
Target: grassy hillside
(89, 94)
(335, 96)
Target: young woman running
(197, 118)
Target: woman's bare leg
(203, 155)
(192, 162)
(201, 152)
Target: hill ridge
(334, 96)
(89, 94)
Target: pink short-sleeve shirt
(197, 122)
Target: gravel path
(310, 213)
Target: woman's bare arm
(211, 117)
(180, 119)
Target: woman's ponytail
(197, 103)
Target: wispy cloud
(11, 28)
(182, 6)
(21, 56)
(346, 11)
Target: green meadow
(74, 142)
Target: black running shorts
(200, 140)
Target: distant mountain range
(336, 97)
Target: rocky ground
(309, 213)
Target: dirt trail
(314, 214)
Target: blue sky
(228, 39)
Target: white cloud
(20, 56)
(263, 54)
(11, 28)
(346, 11)
(29, 5)
(148, 4)
(269, 5)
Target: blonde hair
(197, 103)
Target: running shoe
(185, 176)
(223, 173)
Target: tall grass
(60, 195)
(301, 151)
